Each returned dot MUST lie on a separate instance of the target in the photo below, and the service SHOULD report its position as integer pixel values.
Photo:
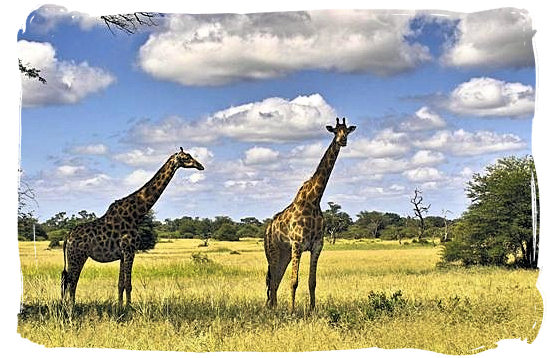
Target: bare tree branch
(129, 23)
(25, 195)
(419, 210)
(31, 72)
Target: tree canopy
(497, 227)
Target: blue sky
(435, 99)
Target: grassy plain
(369, 294)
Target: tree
(147, 236)
(445, 237)
(372, 221)
(187, 227)
(336, 221)
(221, 220)
(227, 232)
(419, 211)
(57, 222)
(249, 227)
(28, 228)
(25, 197)
(497, 227)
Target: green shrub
(56, 236)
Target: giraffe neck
(315, 187)
(148, 194)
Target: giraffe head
(185, 160)
(341, 131)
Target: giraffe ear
(330, 129)
(351, 129)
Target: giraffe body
(114, 235)
(299, 227)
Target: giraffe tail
(268, 284)
(64, 274)
(268, 275)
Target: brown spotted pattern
(299, 227)
(113, 236)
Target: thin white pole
(34, 241)
(534, 215)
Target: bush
(200, 258)
(56, 236)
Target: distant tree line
(500, 227)
(219, 228)
(338, 224)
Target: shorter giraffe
(299, 227)
(114, 235)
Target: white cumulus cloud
(47, 17)
(221, 49)
(491, 39)
(423, 119)
(69, 170)
(484, 96)
(427, 157)
(385, 143)
(273, 119)
(424, 174)
(137, 178)
(464, 143)
(67, 82)
(260, 155)
(149, 157)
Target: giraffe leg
(296, 254)
(315, 252)
(121, 282)
(272, 256)
(74, 268)
(128, 262)
(279, 272)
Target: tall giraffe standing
(299, 227)
(114, 235)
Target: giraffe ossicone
(299, 227)
(113, 236)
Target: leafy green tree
(56, 236)
(187, 227)
(251, 221)
(25, 224)
(226, 232)
(249, 227)
(498, 224)
(220, 220)
(248, 230)
(147, 236)
(203, 228)
(372, 221)
(336, 221)
(57, 222)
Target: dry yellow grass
(369, 294)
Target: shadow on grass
(203, 311)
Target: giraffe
(299, 227)
(113, 236)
